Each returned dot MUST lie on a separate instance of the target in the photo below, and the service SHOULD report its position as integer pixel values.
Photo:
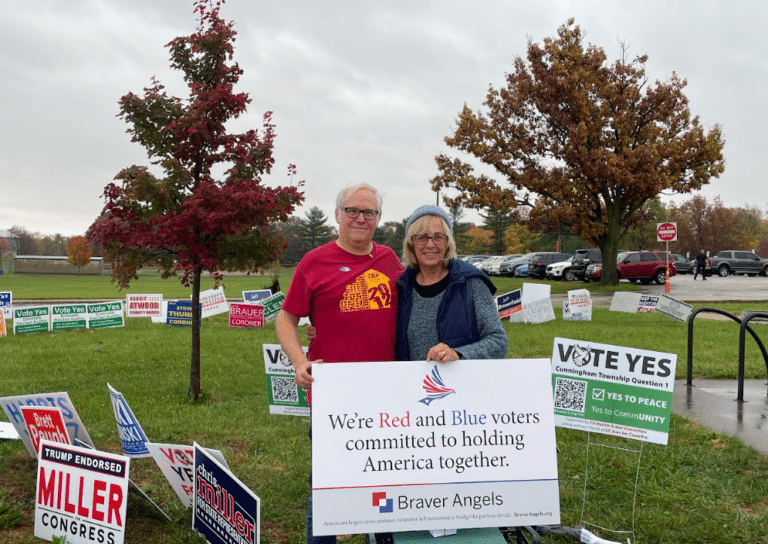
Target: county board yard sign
(12, 408)
(143, 305)
(285, 397)
(613, 390)
(68, 316)
(430, 446)
(81, 495)
(106, 315)
(31, 319)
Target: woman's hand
(442, 354)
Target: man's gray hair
(349, 190)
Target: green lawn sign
(613, 390)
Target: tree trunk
(609, 246)
(194, 372)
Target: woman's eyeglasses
(438, 239)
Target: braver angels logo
(434, 387)
(379, 499)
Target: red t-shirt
(350, 299)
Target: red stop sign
(666, 232)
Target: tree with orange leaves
(581, 142)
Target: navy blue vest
(455, 319)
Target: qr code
(284, 389)
(570, 394)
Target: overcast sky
(361, 91)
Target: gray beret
(428, 209)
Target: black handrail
(743, 326)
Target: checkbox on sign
(598, 394)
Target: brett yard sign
(45, 423)
(12, 407)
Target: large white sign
(81, 494)
(426, 446)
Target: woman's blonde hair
(420, 227)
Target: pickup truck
(739, 262)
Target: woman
(446, 310)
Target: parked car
(557, 271)
(684, 265)
(537, 265)
(521, 271)
(474, 259)
(645, 266)
(594, 272)
(484, 265)
(739, 262)
(508, 268)
(494, 269)
(582, 258)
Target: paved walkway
(712, 403)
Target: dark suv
(739, 262)
(537, 265)
(581, 259)
(645, 266)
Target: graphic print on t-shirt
(369, 291)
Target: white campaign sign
(428, 446)
(81, 494)
(213, 301)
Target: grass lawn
(701, 487)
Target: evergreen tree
(314, 230)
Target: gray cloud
(359, 91)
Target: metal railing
(743, 327)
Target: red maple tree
(184, 219)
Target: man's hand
(303, 377)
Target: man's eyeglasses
(352, 213)
(438, 239)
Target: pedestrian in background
(701, 265)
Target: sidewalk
(712, 403)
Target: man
(347, 288)
(701, 265)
